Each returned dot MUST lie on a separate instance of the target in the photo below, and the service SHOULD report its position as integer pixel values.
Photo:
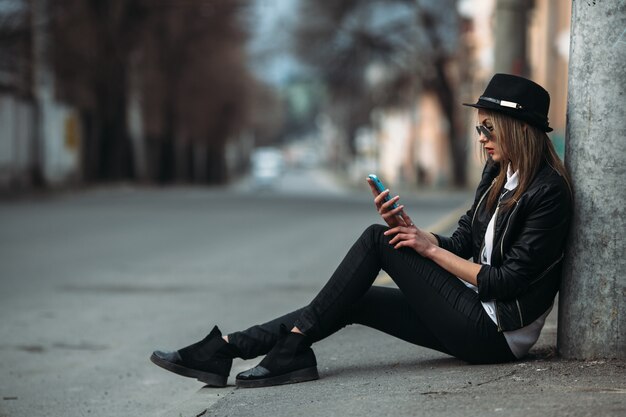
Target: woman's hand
(426, 245)
(393, 217)
(409, 236)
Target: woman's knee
(374, 232)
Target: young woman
(485, 310)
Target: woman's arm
(462, 268)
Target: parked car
(268, 166)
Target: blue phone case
(380, 187)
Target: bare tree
(375, 53)
(91, 45)
(195, 87)
(188, 57)
(17, 73)
(15, 47)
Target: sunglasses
(485, 131)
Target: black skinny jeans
(430, 307)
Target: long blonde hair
(525, 147)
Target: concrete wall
(59, 132)
(16, 137)
(61, 140)
(547, 52)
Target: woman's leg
(449, 316)
(291, 358)
(450, 311)
(432, 308)
(209, 360)
(382, 308)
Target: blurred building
(414, 148)
(39, 136)
(549, 59)
(547, 38)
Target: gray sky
(270, 25)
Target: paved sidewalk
(365, 373)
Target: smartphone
(380, 188)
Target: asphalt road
(91, 282)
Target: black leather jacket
(529, 238)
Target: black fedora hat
(518, 98)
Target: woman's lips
(489, 150)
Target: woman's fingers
(403, 240)
(397, 238)
(407, 241)
(407, 219)
(387, 206)
(402, 244)
(402, 236)
(398, 229)
(392, 216)
(407, 237)
(380, 198)
(373, 187)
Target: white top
(521, 340)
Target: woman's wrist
(431, 252)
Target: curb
(198, 404)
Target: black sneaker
(208, 360)
(291, 360)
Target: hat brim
(509, 112)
